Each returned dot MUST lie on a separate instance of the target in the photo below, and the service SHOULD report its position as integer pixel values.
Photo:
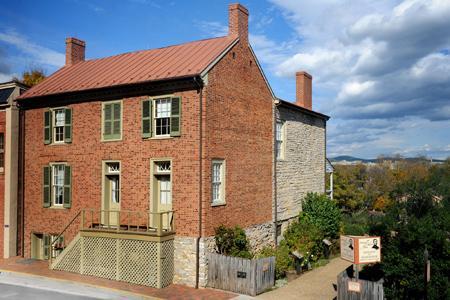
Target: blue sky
(381, 68)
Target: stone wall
(184, 260)
(260, 235)
(185, 252)
(302, 169)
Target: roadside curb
(4, 274)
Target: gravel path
(315, 284)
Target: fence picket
(223, 274)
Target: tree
(348, 186)
(418, 220)
(32, 77)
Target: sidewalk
(38, 274)
(315, 284)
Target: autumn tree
(32, 77)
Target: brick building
(154, 149)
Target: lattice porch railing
(123, 221)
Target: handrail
(59, 235)
(160, 223)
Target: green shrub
(306, 238)
(356, 223)
(324, 213)
(232, 242)
(284, 261)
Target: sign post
(427, 272)
(360, 250)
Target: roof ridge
(152, 49)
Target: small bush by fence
(240, 275)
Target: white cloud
(374, 60)
(34, 52)
(215, 29)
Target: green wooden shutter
(46, 246)
(107, 121)
(47, 194)
(146, 118)
(112, 121)
(47, 127)
(175, 117)
(68, 126)
(67, 202)
(116, 120)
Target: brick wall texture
(237, 107)
(303, 168)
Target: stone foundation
(185, 252)
(260, 235)
(184, 260)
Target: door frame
(153, 205)
(104, 166)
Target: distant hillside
(350, 158)
(365, 160)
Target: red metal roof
(171, 62)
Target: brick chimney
(238, 21)
(303, 90)
(75, 50)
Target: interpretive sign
(361, 249)
(354, 286)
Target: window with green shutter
(47, 194)
(58, 126)
(147, 118)
(175, 117)
(67, 202)
(166, 117)
(57, 185)
(46, 246)
(112, 121)
(47, 127)
(68, 126)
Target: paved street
(20, 286)
(14, 292)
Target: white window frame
(220, 200)
(53, 184)
(114, 172)
(53, 112)
(280, 139)
(155, 118)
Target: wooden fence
(368, 290)
(240, 275)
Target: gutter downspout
(275, 199)
(200, 184)
(21, 176)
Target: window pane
(59, 120)
(162, 116)
(58, 184)
(59, 117)
(279, 131)
(115, 190)
(165, 190)
(217, 178)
